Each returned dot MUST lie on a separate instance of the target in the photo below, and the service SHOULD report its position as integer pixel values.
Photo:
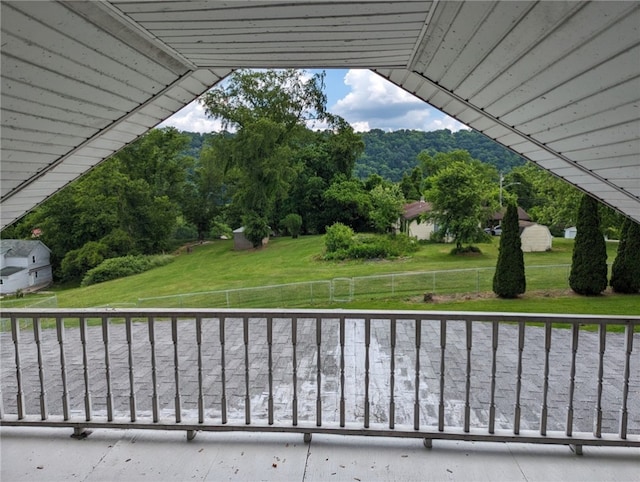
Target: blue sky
(364, 99)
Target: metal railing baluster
(270, 368)
(107, 366)
(518, 409)
(132, 378)
(247, 399)
(602, 341)
(545, 387)
(443, 345)
(15, 335)
(367, 342)
(223, 368)
(392, 374)
(85, 367)
(41, 376)
(467, 389)
(294, 344)
(200, 369)
(575, 333)
(319, 371)
(176, 369)
(342, 399)
(494, 356)
(624, 412)
(416, 403)
(155, 402)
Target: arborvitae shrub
(509, 279)
(625, 273)
(589, 262)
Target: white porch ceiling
(558, 82)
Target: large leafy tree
(589, 261)
(625, 272)
(509, 279)
(461, 197)
(270, 112)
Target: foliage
(392, 154)
(589, 261)
(625, 273)
(509, 279)
(255, 229)
(338, 237)
(292, 223)
(114, 268)
(387, 204)
(460, 198)
(373, 246)
(78, 261)
(346, 201)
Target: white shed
(570, 233)
(535, 237)
(24, 264)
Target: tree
(387, 202)
(625, 273)
(589, 261)
(509, 279)
(460, 201)
(292, 223)
(270, 111)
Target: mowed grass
(216, 266)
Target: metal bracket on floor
(428, 443)
(576, 449)
(307, 437)
(191, 434)
(80, 433)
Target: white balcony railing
(433, 375)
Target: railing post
(494, 353)
(247, 399)
(270, 367)
(15, 334)
(85, 368)
(575, 332)
(624, 413)
(107, 365)
(367, 343)
(294, 344)
(41, 375)
(342, 399)
(443, 344)
(518, 409)
(467, 390)
(176, 369)
(392, 374)
(132, 390)
(223, 398)
(319, 372)
(545, 387)
(602, 340)
(155, 403)
(416, 403)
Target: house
(24, 264)
(411, 224)
(534, 237)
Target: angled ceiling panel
(558, 82)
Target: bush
(373, 247)
(255, 229)
(292, 223)
(219, 230)
(625, 272)
(589, 260)
(338, 238)
(509, 279)
(78, 261)
(114, 268)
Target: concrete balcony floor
(49, 454)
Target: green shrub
(625, 272)
(372, 246)
(292, 223)
(114, 268)
(255, 229)
(589, 260)
(509, 279)
(219, 230)
(78, 261)
(338, 237)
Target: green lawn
(215, 266)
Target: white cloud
(376, 103)
(193, 118)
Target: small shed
(24, 264)
(535, 237)
(570, 233)
(240, 241)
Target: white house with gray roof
(24, 264)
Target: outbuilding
(570, 233)
(534, 237)
(24, 264)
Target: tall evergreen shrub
(589, 261)
(509, 279)
(625, 273)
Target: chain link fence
(342, 290)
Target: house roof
(556, 82)
(522, 215)
(414, 209)
(9, 270)
(19, 248)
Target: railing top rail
(318, 313)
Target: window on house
(33, 259)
